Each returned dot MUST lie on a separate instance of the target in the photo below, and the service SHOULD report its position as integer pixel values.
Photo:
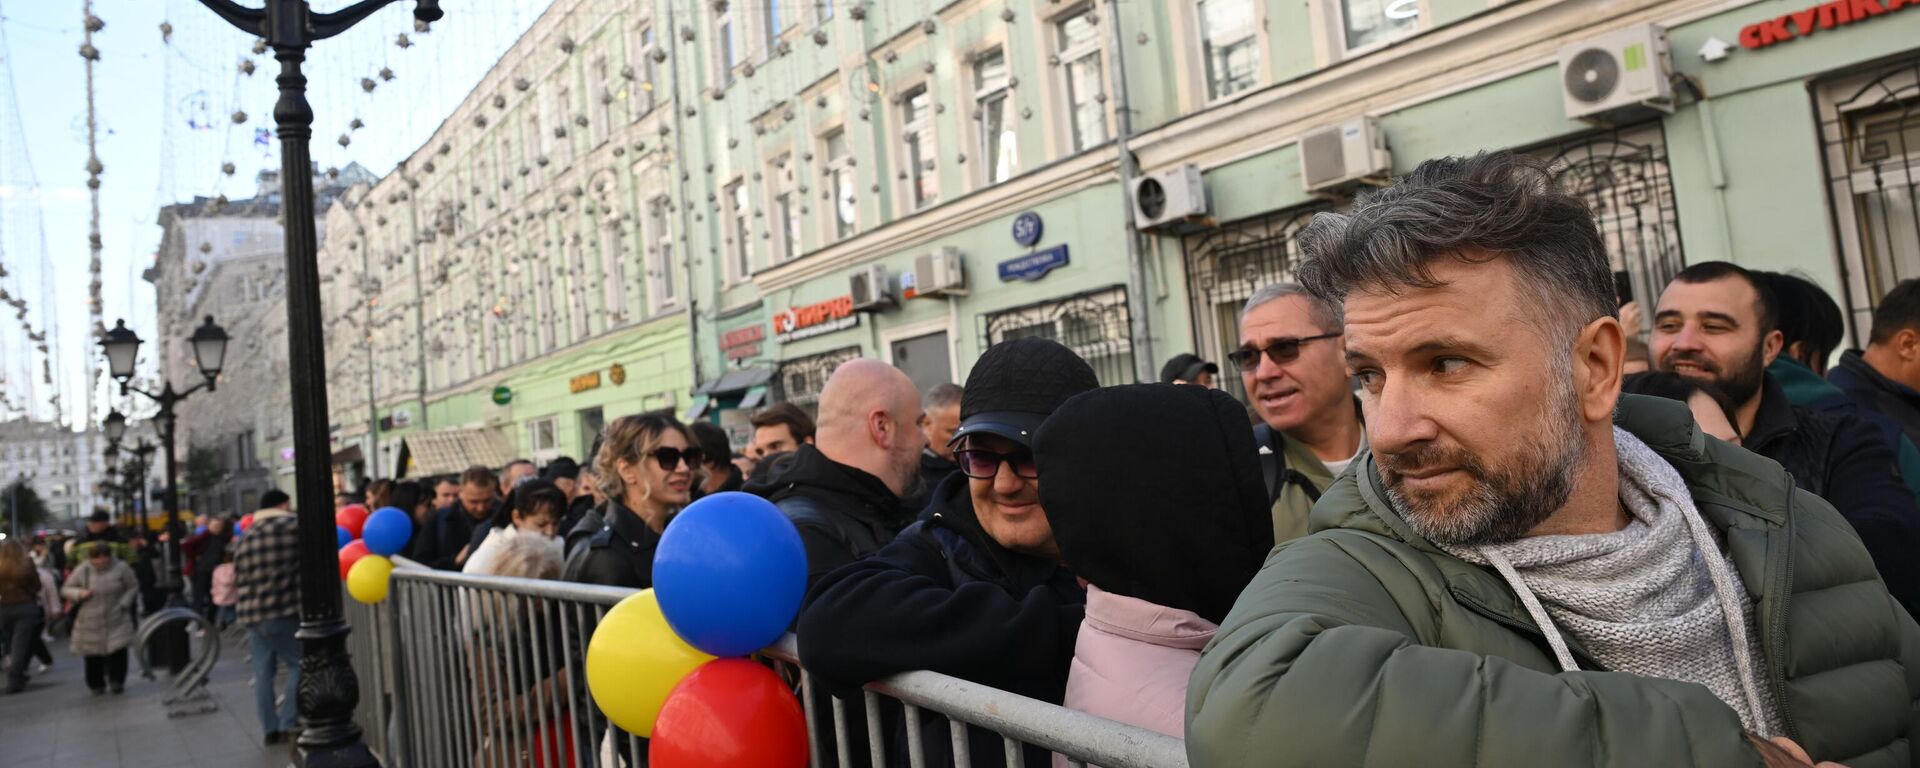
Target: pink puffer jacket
(1132, 660)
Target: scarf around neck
(1657, 598)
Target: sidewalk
(57, 723)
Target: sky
(165, 105)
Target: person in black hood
(1156, 592)
(975, 591)
(843, 491)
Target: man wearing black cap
(1188, 368)
(975, 591)
(99, 528)
(564, 473)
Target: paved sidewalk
(57, 723)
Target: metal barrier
(461, 670)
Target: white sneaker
(39, 668)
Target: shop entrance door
(924, 359)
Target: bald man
(843, 492)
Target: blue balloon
(729, 573)
(199, 530)
(345, 536)
(387, 531)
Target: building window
(1077, 38)
(602, 99)
(1367, 22)
(779, 19)
(646, 74)
(916, 129)
(545, 315)
(562, 131)
(530, 149)
(726, 40)
(822, 11)
(786, 209)
(613, 276)
(1093, 325)
(576, 292)
(993, 116)
(800, 380)
(739, 235)
(1227, 264)
(846, 213)
(1229, 45)
(1623, 177)
(660, 256)
(1870, 136)
(543, 435)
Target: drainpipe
(685, 203)
(366, 330)
(419, 302)
(1129, 170)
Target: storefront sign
(618, 374)
(742, 343)
(1035, 265)
(502, 395)
(584, 382)
(1027, 228)
(815, 320)
(1824, 16)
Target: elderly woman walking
(105, 590)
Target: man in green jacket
(1525, 568)
(1292, 365)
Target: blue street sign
(1027, 228)
(1035, 265)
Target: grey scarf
(1657, 598)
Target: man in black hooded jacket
(976, 590)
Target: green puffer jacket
(1363, 644)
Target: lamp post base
(328, 693)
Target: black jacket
(1866, 387)
(1845, 460)
(945, 597)
(843, 513)
(449, 531)
(620, 554)
(933, 471)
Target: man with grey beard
(1526, 568)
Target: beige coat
(105, 621)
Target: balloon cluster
(667, 663)
(367, 546)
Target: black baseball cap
(1186, 366)
(1016, 385)
(561, 467)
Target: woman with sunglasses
(646, 468)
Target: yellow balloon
(367, 580)
(634, 660)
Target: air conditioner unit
(939, 273)
(870, 288)
(1341, 155)
(1626, 70)
(1173, 196)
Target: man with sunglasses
(1291, 363)
(976, 589)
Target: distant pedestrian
(225, 598)
(444, 543)
(647, 468)
(1189, 368)
(722, 475)
(780, 428)
(523, 647)
(21, 612)
(105, 590)
(266, 575)
(939, 419)
(205, 552)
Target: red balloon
(351, 517)
(350, 554)
(246, 521)
(730, 713)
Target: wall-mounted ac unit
(1168, 197)
(1627, 70)
(870, 288)
(939, 273)
(1339, 156)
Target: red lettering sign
(1802, 23)
(813, 314)
(743, 336)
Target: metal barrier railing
(461, 670)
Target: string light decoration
(95, 303)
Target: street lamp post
(328, 689)
(111, 459)
(122, 347)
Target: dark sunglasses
(983, 465)
(1281, 352)
(671, 457)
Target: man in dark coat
(453, 526)
(1717, 323)
(1885, 376)
(975, 591)
(843, 491)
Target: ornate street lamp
(122, 348)
(329, 691)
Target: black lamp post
(111, 459)
(136, 484)
(328, 689)
(122, 348)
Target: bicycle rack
(190, 696)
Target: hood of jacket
(811, 473)
(1106, 458)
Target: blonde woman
(646, 468)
